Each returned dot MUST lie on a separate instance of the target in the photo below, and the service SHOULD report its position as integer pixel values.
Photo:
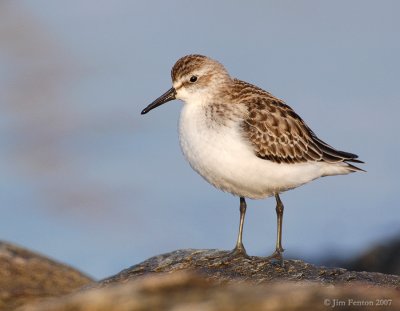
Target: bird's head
(195, 78)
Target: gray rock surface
(213, 280)
(219, 266)
(26, 276)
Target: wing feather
(278, 134)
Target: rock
(211, 280)
(384, 257)
(218, 266)
(26, 276)
(180, 291)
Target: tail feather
(354, 168)
(330, 154)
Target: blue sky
(89, 181)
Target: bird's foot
(276, 257)
(238, 252)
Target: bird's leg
(239, 249)
(279, 213)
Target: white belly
(222, 157)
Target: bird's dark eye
(193, 79)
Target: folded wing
(278, 134)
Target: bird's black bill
(166, 97)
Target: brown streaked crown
(189, 63)
(185, 65)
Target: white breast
(222, 156)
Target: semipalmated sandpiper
(243, 140)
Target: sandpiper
(243, 140)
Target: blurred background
(87, 180)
